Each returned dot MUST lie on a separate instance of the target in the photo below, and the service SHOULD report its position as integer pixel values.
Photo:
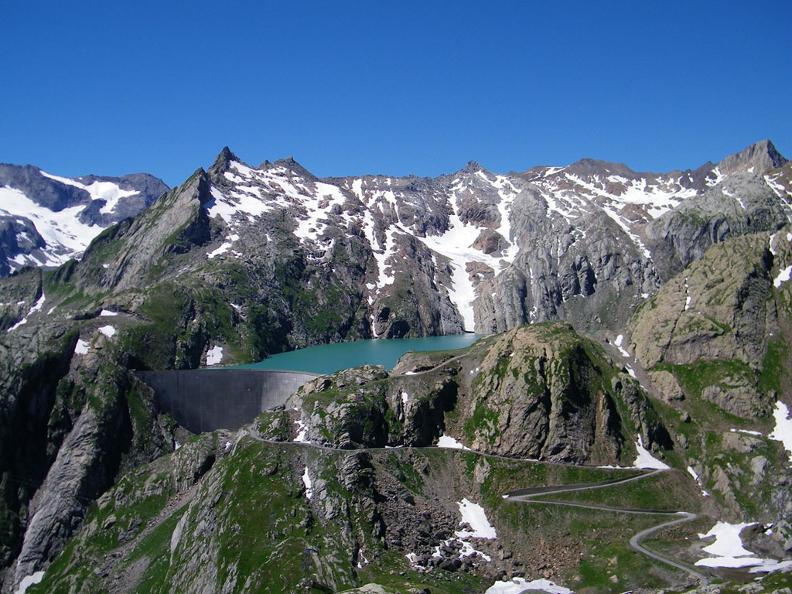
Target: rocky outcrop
(542, 392)
(759, 158)
(537, 392)
(174, 225)
(717, 308)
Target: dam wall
(208, 399)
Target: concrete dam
(204, 400)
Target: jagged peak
(291, 164)
(472, 167)
(758, 158)
(226, 154)
(223, 160)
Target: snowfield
(302, 431)
(306, 479)
(65, 235)
(520, 585)
(618, 342)
(214, 355)
(36, 307)
(108, 331)
(446, 441)
(645, 459)
(727, 550)
(108, 191)
(29, 580)
(473, 514)
(783, 276)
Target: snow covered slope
(46, 219)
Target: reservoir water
(329, 358)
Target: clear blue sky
(390, 87)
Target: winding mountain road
(532, 496)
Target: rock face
(47, 219)
(758, 159)
(742, 203)
(83, 420)
(542, 392)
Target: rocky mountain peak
(472, 167)
(294, 166)
(223, 160)
(758, 158)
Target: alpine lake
(329, 358)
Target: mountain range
(631, 314)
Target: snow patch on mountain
(302, 432)
(783, 427)
(728, 550)
(473, 515)
(519, 585)
(621, 222)
(214, 355)
(446, 441)
(36, 307)
(645, 458)
(618, 343)
(782, 277)
(308, 484)
(62, 230)
(108, 191)
(108, 331)
(456, 244)
(29, 580)
(224, 247)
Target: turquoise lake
(329, 358)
